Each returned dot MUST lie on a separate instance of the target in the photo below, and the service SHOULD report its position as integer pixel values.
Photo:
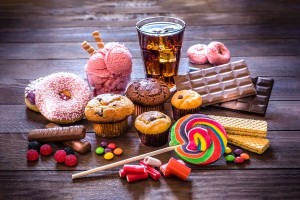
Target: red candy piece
(46, 150)
(134, 169)
(122, 173)
(152, 172)
(112, 146)
(239, 160)
(178, 169)
(136, 177)
(70, 160)
(60, 156)
(32, 155)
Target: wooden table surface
(40, 37)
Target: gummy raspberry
(34, 145)
(70, 160)
(60, 156)
(69, 150)
(32, 155)
(46, 150)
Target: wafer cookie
(242, 126)
(253, 144)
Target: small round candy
(229, 158)
(108, 156)
(106, 150)
(245, 156)
(238, 152)
(227, 150)
(118, 151)
(111, 146)
(104, 144)
(100, 150)
(238, 160)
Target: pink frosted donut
(62, 97)
(217, 53)
(196, 54)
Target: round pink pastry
(217, 53)
(196, 54)
(118, 60)
(62, 97)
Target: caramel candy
(80, 146)
(57, 134)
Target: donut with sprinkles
(62, 97)
(203, 139)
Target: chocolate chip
(100, 113)
(152, 119)
(99, 99)
(180, 97)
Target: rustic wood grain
(207, 184)
(40, 37)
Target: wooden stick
(88, 47)
(98, 39)
(122, 162)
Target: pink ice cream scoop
(118, 60)
(108, 70)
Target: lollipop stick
(122, 162)
(98, 39)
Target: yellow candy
(108, 156)
(227, 150)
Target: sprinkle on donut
(62, 97)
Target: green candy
(229, 158)
(100, 150)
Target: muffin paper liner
(178, 113)
(154, 140)
(109, 130)
(139, 109)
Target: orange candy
(118, 151)
(245, 156)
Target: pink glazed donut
(217, 53)
(62, 97)
(196, 54)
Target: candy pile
(109, 150)
(238, 157)
(147, 166)
(65, 156)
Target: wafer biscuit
(98, 39)
(253, 144)
(88, 47)
(242, 126)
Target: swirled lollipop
(202, 138)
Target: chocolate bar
(57, 134)
(218, 84)
(80, 146)
(258, 103)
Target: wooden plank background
(40, 37)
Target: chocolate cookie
(148, 92)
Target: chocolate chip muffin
(185, 102)
(109, 112)
(153, 128)
(148, 95)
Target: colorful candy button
(104, 144)
(227, 150)
(100, 150)
(108, 156)
(118, 151)
(229, 158)
(239, 160)
(238, 152)
(111, 146)
(106, 150)
(245, 156)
